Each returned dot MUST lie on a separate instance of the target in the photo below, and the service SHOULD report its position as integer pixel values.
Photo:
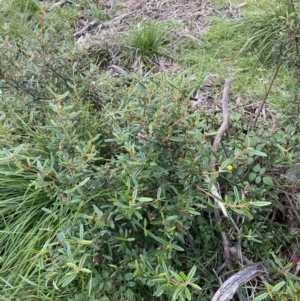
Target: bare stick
(214, 190)
(267, 93)
(226, 245)
(225, 123)
(223, 128)
(111, 6)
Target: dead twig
(214, 190)
(293, 207)
(226, 246)
(236, 254)
(225, 124)
(267, 93)
(111, 6)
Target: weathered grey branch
(225, 124)
(231, 285)
(226, 247)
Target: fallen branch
(231, 285)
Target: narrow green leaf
(276, 259)
(137, 214)
(188, 293)
(85, 270)
(176, 247)
(261, 297)
(47, 210)
(225, 164)
(178, 278)
(51, 91)
(196, 287)
(211, 134)
(17, 150)
(67, 279)
(74, 114)
(191, 273)
(193, 211)
(63, 96)
(6, 152)
(158, 280)
(172, 217)
(176, 139)
(248, 141)
(183, 276)
(29, 281)
(178, 291)
(159, 190)
(247, 213)
(71, 190)
(72, 265)
(257, 153)
(159, 291)
(144, 199)
(81, 231)
(236, 194)
(97, 210)
(165, 268)
(278, 286)
(260, 204)
(83, 182)
(84, 242)
(135, 163)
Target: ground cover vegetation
(112, 183)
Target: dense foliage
(103, 179)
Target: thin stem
(267, 93)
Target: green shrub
(103, 180)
